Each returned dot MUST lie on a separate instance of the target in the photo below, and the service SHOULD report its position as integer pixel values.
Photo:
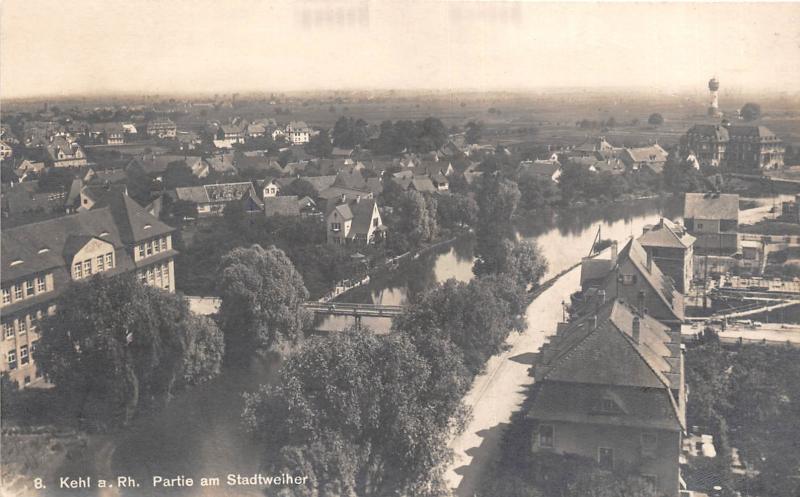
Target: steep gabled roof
(362, 216)
(658, 281)
(40, 246)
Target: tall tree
(474, 131)
(750, 111)
(354, 412)
(261, 293)
(116, 345)
(320, 145)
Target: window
(157, 271)
(87, 267)
(23, 355)
(375, 222)
(29, 292)
(150, 275)
(22, 326)
(164, 244)
(143, 277)
(109, 260)
(605, 457)
(699, 226)
(8, 330)
(149, 247)
(156, 246)
(12, 359)
(649, 443)
(77, 271)
(41, 284)
(34, 320)
(101, 264)
(27, 379)
(6, 296)
(336, 226)
(17, 292)
(141, 251)
(546, 436)
(34, 344)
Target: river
(199, 433)
(564, 238)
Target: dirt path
(500, 391)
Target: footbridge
(356, 310)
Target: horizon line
(242, 92)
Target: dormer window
(16, 262)
(105, 233)
(147, 226)
(607, 406)
(44, 250)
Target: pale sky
(67, 47)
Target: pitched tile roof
(666, 234)
(288, 205)
(46, 244)
(602, 349)
(711, 206)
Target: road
(500, 391)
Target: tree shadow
(481, 458)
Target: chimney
(594, 322)
(614, 251)
(343, 198)
(358, 198)
(640, 303)
(635, 329)
(602, 296)
(649, 261)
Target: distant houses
(162, 128)
(211, 200)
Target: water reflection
(564, 237)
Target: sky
(80, 47)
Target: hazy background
(50, 47)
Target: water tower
(713, 90)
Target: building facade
(747, 148)
(40, 260)
(162, 128)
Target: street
(771, 332)
(500, 390)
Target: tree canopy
(115, 345)
(261, 294)
(655, 119)
(750, 111)
(357, 413)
